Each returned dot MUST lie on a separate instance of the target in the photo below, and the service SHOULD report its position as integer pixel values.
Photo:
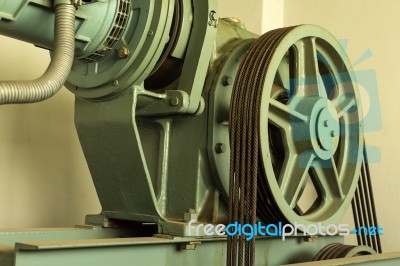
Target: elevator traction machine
(186, 118)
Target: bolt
(212, 15)
(188, 247)
(213, 19)
(227, 80)
(333, 134)
(174, 101)
(115, 82)
(123, 52)
(191, 211)
(190, 215)
(326, 123)
(309, 239)
(150, 33)
(220, 148)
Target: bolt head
(326, 123)
(309, 239)
(123, 52)
(191, 215)
(174, 101)
(333, 134)
(220, 148)
(191, 211)
(227, 80)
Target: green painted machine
(153, 81)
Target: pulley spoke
(293, 176)
(307, 77)
(281, 115)
(345, 107)
(328, 178)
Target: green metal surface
(112, 147)
(232, 45)
(142, 174)
(9, 238)
(185, 30)
(105, 246)
(197, 60)
(162, 185)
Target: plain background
(44, 178)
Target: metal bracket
(199, 52)
(171, 102)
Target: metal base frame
(83, 246)
(98, 246)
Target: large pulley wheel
(310, 125)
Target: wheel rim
(320, 127)
(337, 250)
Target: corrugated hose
(58, 70)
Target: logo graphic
(249, 231)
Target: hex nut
(123, 52)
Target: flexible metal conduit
(57, 72)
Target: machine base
(83, 246)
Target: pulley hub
(328, 129)
(320, 131)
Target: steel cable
(248, 191)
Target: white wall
(250, 14)
(44, 178)
(369, 24)
(273, 14)
(259, 16)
